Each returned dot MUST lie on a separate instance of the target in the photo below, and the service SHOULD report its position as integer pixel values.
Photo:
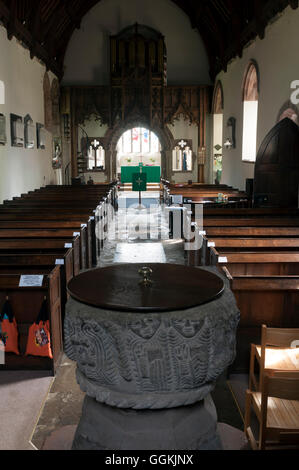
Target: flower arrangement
(218, 163)
(218, 168)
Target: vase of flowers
(218, 168)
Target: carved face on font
(145, 327)
(186, 327)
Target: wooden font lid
(170, 287)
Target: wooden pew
(54, 220)
(81, 194)
(251, 212)
(43, 246)
(67, 234)
(258, 263)
(26, 303)
(87, 216)
(241, 245)
(265, 221)
(260, 256)
(209, 197)
(261, 234)
(32, 263)
(75, 226)
(270, 300)
(246, 232)
(193, 185)
(245, 244)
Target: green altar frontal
(153, 173)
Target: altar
(149, 342)
(153, 173)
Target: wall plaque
(3, 138)
(17, 130)
(29, 132)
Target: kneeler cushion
(39, 342)
(8, 329)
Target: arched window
(96, 156)
(218, 104)
(182, 157)
(217, 131)
(138, 145)
(250, 112)
(2, 92)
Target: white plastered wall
(187, 61)
(21, 169)
(276, 56)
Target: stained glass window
(138, 140)
(145, 141)
(127, 142)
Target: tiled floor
(140, 235)
(22, 394)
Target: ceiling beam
(266, 12)
(260, 22)
(4, 13)
(236, 19)
(205, 16)
(35, 28)
(12, 19)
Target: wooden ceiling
(226, 26)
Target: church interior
(149, 225)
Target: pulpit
(149, 342)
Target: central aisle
(140, 235)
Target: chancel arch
(250, 94)
(138, 145)
(162, 137)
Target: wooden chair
(274, 353)
(277, 411)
